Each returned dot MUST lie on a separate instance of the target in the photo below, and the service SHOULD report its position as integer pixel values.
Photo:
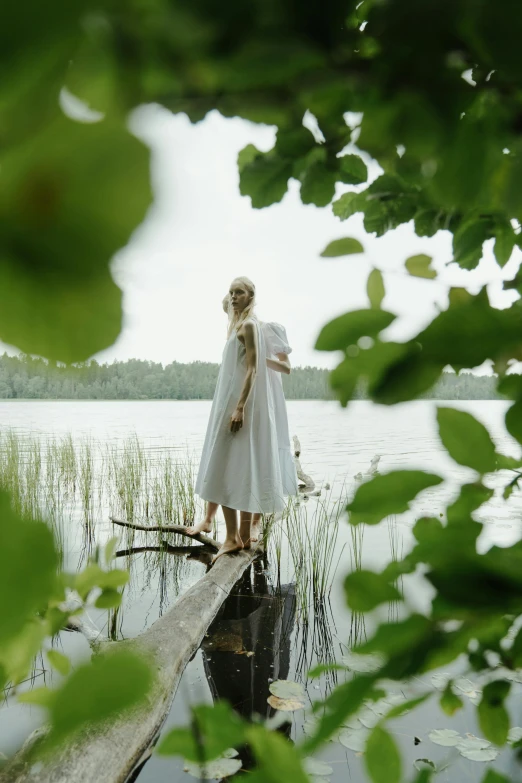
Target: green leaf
(516, 651)
(108, 599)
(352, 170)
(318, 185)
(343, 702)
(40, 697)
(113, 579)
(18, 653)
(468, 240)
(349, 204)
(116, 682)
(401, 709)
(35, 58)
(388, 494)
(514, 421)
(342, 247)
(214, 729)
(59, 661)
(94, 576)
(375, 288)
(383, 760)
(428, 222)
(471, 498)
(247, 155)
(369, 364)
(294, 143)
(493, 716)
(419, 266)
(392, 639)
(492, 776)
(182, 742)
(349, 328)
(265, 180)
(504, 242)
(466, 439)
(110, 548)
(449, 701)
(62, 224)
(277, 759)
(28, 559)
(365, 590)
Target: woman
(278, 362)
(240, 467)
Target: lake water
(271, 613)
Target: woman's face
(239, 296)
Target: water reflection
(248, 646)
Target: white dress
(277, 342)
(241, 470)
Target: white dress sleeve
(277, 341)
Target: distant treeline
(22, 377)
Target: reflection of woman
(240, 465)
(248, 646)
(277, 361)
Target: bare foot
(201, 527)
(230, 545)
(255, 530)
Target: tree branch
(179, 529)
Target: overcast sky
(200, 233)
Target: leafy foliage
(437, 87)
(388, 494)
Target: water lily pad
(286, 695)
(287, 689)
(317, 768)
(440, 680)
(362, 663)
(352, 723)
(285, 705)
(214, 770)
(477, 748)
(448, 738)
(354, 739)
(469, 689)
(480, 754)
(368, 718)
(515, 734)
(421, 764)
(470, 742)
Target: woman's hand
(236, 420)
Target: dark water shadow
(248, 647)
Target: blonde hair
(236, 320)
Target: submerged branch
(181, 530)
(164, 547)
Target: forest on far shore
(24, 377)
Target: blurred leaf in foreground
(388, 494)
(70, 198)
(113, 683)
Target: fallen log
(109, 753)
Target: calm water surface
(265, 615)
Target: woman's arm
(249, 338)
(281, 364)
